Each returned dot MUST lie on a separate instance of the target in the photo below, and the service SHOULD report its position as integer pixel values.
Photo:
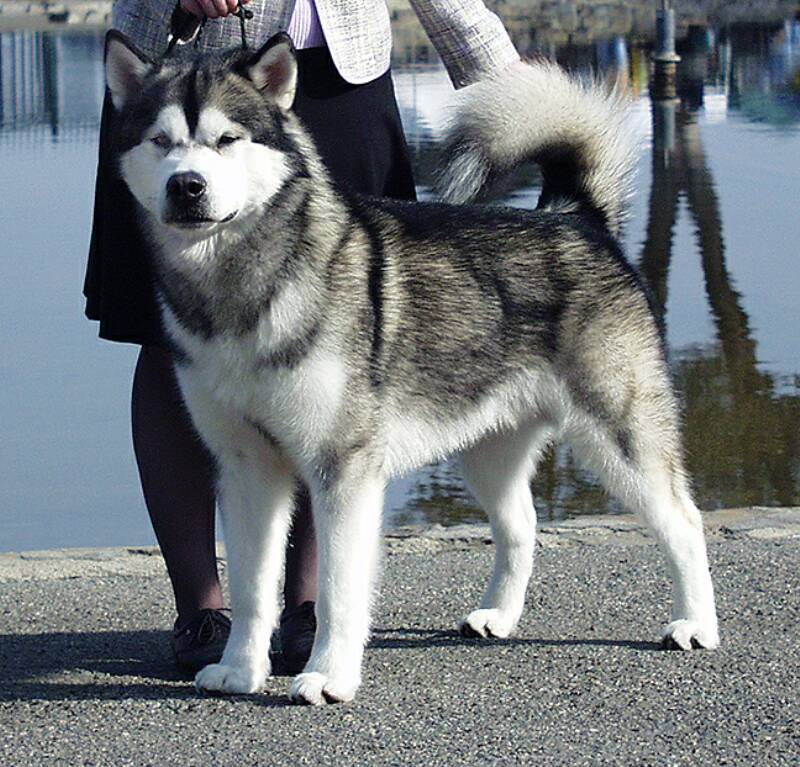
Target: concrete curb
(753, 523)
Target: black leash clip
(185, 27)
(244, 14)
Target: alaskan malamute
(339, 340)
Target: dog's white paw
(684, 634)
(229, 679)
(315, 689)
(487, 623)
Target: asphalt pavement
(86, 677)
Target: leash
(185, 27)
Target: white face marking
(213, 124)
(171, 121)
(241, 177)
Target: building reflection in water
(50, 83)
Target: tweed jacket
(470, 39)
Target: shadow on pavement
(120, 665)
(116, 665)
(388, 638)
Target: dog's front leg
(347, 517)
(255, 494)
(255, 507)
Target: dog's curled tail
(580, 134)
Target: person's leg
(301, 556)
(177, 476)
(298, 623)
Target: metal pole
(665, 59)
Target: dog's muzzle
(187, 202)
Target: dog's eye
(161, 141)
(226, 140)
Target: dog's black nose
(186, 186)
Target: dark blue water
(714, 230)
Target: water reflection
(742, 416)
(765, 82)
(742, 435)
(50, 83)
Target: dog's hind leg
(498, 471)
(640, 462)
(347, 518)
(255, 494)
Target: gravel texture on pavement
(86, 676)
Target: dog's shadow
(396, 638)
(117, 665)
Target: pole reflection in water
(742, 435)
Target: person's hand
(213, 9)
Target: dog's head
(203, 142)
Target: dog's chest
(297, 403)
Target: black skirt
(357, 131)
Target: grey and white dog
(340, 341)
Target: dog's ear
(273, 70)
(126, 67)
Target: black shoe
(201, 640)
(297, 629)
